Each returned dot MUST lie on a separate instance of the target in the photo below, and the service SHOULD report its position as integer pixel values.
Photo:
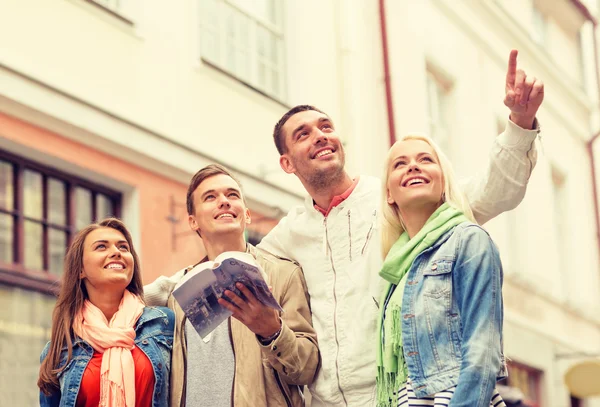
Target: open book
(199, 290)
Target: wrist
(269, 335)
(525, 122)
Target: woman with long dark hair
(107, 348)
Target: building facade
(107, 107)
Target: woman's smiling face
(415, 177)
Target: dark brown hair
(206, 172)
(278, 136)
(71, 298)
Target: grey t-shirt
(210, 368)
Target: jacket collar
(249, 249)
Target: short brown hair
(206, 172)
(278, 136)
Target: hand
(260, 319)
(524, 95)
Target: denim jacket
(452, 314)
(153, 335)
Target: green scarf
(391, 367)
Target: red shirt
(338, 199)
(89, 391)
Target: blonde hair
(392, 226)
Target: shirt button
(434, 267)
(275, 347)
(278, 354)
(145, 341)
(160, 365)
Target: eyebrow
(418, 156)
(303, 125)
(212, 191)
(106, 241)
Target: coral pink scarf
(115, 340)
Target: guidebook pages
(198, 292)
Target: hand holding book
(234, 284)
(259, 318)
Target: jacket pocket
(437, 279)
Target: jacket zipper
(285, 396)
(350, 236)
(337, 343)
(370, 232)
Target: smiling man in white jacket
(335, 237)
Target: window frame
(15, 273)
(255, 23)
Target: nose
(320, 137)
(115, 252)
(224, 202)
(414, 167)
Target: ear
(82, 275)
(192, 222)
(286, 164)
(390, 199)
(248, 218)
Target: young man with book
(257, 358)
(335, 234)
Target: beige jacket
(264, 375)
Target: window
(438, 91)
(526, 379)
(245, 39)
(24, 330)
(40, 210)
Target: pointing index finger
(511, 74)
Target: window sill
(116, 19)
(113, 13)
(221, 71)
(12, 275)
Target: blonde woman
(441, 317)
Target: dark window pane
(57, 202)
(25, 318)
(104, 207)
(32, 203)
(6, 186)
(33, 246)
(57, 243)
(83, 207)
(6, 238)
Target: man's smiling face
(314, 151)
(219, 207)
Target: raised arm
(275, 242)
(501, 187)
(157, 293)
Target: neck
(221, 244)
(414, 218)
(323, 194)
(107, 301)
